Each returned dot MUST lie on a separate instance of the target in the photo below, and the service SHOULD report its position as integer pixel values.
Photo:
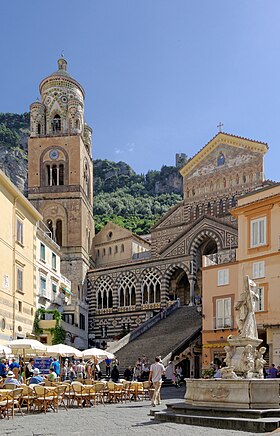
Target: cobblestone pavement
(126, 419)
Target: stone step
(261, 425)
(162, 338)
(184, 408)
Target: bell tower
(60, 173)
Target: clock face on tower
(53, 154)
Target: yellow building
(258, 256)
(17, 262)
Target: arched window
(56, 124)
(209, 208)
(77, 124)
(98, 253)
(197, 212)
(86, 179)
(104, 251)
(50, 227)
(127, 290)
(221, 207)
(116, 249)
(58, 232)
(104, 293)
(39, 129)
(122, 248)
(151, 287)
(61, 174)
(99, 300)
(233, 202)
(110, 298)
(110, 250)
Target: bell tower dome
(60, 173)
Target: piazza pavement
(125, 419)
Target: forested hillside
(132, 200)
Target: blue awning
(67, 291)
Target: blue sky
(159, 75)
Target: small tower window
(58, 232)
(56, 123)
(61, 174)
(39, 129)
(77, 124)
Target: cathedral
(132, 282)
(60, 181)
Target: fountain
(242, 399)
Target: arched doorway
(206, 247)
(179, 287)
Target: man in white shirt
(156, 372)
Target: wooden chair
(14, 401)
(80, 394)
(44, 398)
(60, 397)
(69, 394)
(27, 397)
(100, 392)
(148, 391)
(9, 386)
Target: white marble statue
(259, 362)
(245, 308)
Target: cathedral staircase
(163, 338)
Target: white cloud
(130, 147)
(118, 151)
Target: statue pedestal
(240, 394)
(239, 358)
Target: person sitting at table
(52, 375)
(3, 368)
(11, 380)
(36, 379)
(14, 366)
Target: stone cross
(220, 125)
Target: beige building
(114, 244)
(18, 262)
(60, 180)
(258, 256)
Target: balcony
(226, 256)
(142, 255)
(225, 323)
(150, 306)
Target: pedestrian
(128, 374)
(157, 370)
(108, 366)
(115, 374)
(56, 366)
(272, 371)
(29, 368)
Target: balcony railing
(220, 323)
(142, 255)
(150, 306)
(225, 256)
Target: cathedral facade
(124, 292)
(60, 183)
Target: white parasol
(97, 353)
(63, 350)
(27, 347)
(4, 350)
